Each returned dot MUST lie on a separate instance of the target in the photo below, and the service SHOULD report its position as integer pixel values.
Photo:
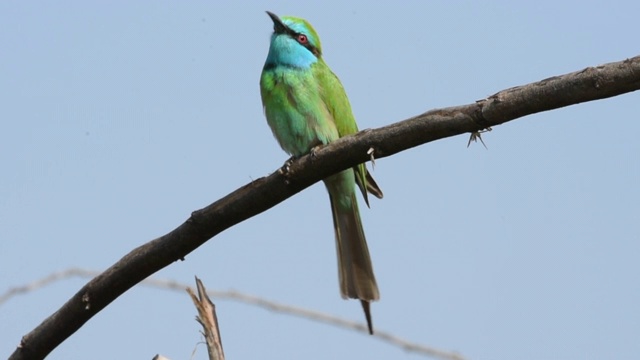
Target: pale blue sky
(118, 119)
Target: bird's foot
(286, 167)
(314, 150)
(477, 135)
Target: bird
(306, 106)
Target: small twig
(59, 275)
(371, 153)
(251, 300)
(208, 319)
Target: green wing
(337, 102)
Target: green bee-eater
(306, 106)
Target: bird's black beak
(278, 26)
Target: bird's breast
(295, 111)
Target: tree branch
(589, 84)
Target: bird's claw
(286, 167)
(313, 151)
(477, 135)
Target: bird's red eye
(302, 39)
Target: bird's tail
(354, 263)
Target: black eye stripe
(308, 45)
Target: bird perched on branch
(306, 106)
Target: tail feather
(368, 184)
(357, 280)
(373, 187)
(367, 315)
(354, 263)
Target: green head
(294, 43)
